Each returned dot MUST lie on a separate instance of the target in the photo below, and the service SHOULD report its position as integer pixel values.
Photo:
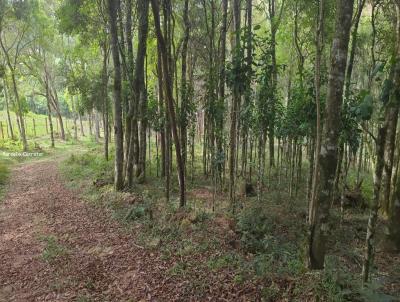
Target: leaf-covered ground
(57, 246)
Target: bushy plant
(254, 226)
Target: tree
(235, 102)
(167, 82)
(11, 51)
(118, 131)
(384, 143)
(138, 107)
(329, 150)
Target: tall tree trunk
(373, 216)
(139, 89)
(161, 112)
(392, 238)
(221, 89)
(249, 62)
(19, 112)
(105, 98)
(315, 156)
(81, 124)
(6, 96)
(134, 76)
(119, 144)
(393, 113)
(143, 7)
(354, 36)
(50, 121)
(170, 102)
(235, 105)
(75, 118)
(329, 151)
(96, 125)
(16, 94)
(271, 134)
(184, 84)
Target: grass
(265, 245)
(53, 249)
(39, 120)
(4, 174)
(39, 145)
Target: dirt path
(56, 247)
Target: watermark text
(23, 154)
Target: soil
(54, 246)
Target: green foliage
(178, 269)
(72, 17)
(299, 118)
(364, 109)
(88, 165)
(4, 174)
(265, 102)
(10, 145)
(255, 228)
(53, 249)
(143, 209)
(231, 260)
(236, 71)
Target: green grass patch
(53, 249)
(4, 174)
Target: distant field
(36, 125)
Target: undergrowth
(4, 174)
(263, 243)
(53, 249)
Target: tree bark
(354, 36)
(329, 150)
(170, 101)
(392, 238)
(234, 107)
(119, 144)
(10, 126)
(184, 84)
(317, 79)
(143, 8)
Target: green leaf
(366, 108)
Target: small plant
(254, 226)
(53, 249)
(227, 260)
(4, 173)
(178, 269)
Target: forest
(202, 150)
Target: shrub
(254, 226)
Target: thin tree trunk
(234, 107)
(50, 121)
(184, 84)
(315, 156)
(81, 125)
(10, 126)
(392, 237)
(170, 102)
(119, 144)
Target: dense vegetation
(258, 136)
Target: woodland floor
(56, 247)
